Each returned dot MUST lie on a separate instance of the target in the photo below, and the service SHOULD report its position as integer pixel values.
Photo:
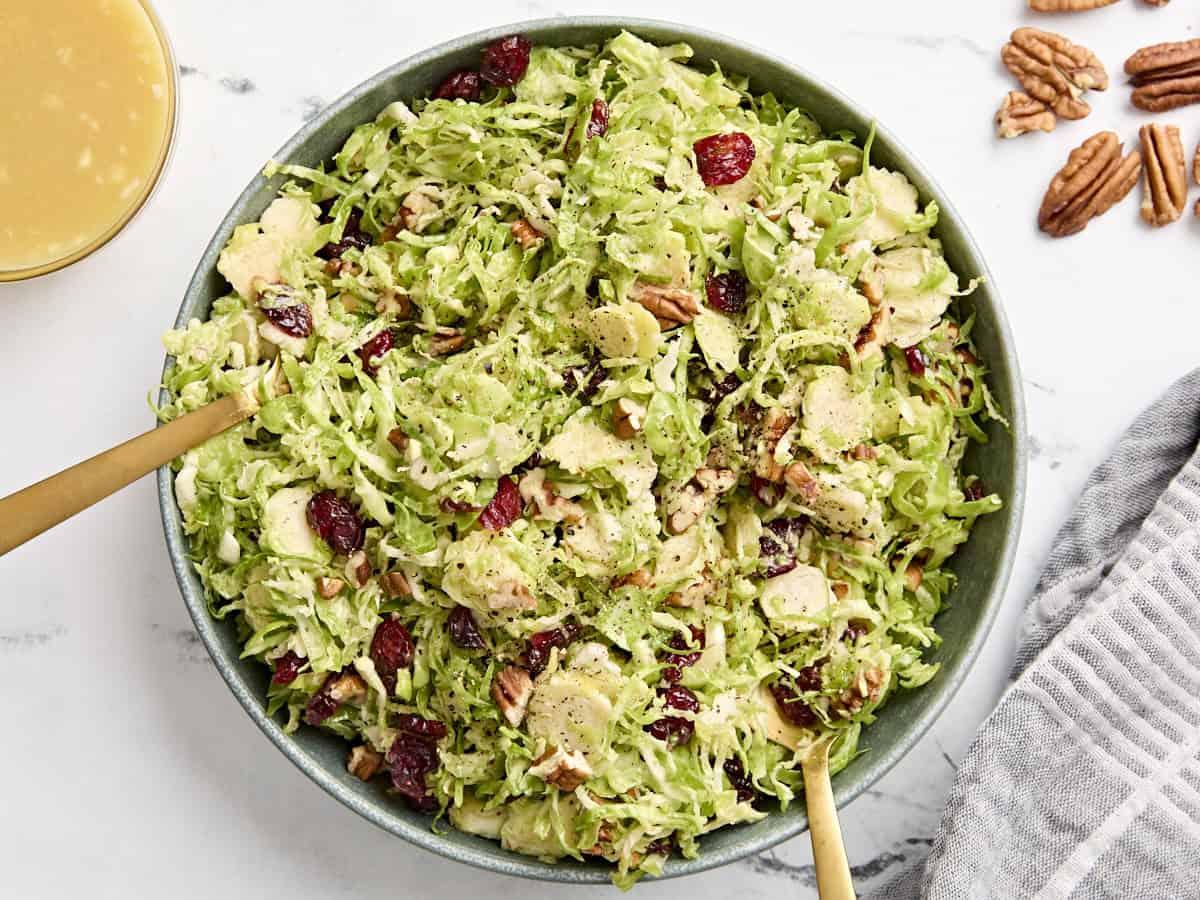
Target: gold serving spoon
(29, 512)
(829, 853)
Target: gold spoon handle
(29, 512)
(829, 853)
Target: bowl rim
(567, 870)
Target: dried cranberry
(295, 319)
(321, 705)
(916, 360)
(677, 661)
(504, 508)
(463, 629)
(447, 505)
(855, 629)
(768, 493)
(809, 678)
(585, 379)
(410, 758)
(724, 158)
(537, 654)
(726, 292)
(373, 350)
(353, 238)
(973, 491)
(391, 650)
(675, 730)
(723, 389)
(505, 61)
(597, 125)
(429, 729)
(461, 85)
(287, 667)
(739, 781)
(335, 520)
(778, 544)
(664, 846)
(791, 707)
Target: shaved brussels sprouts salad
(609, 451)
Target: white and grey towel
(1085, 781)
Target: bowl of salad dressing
(87, 120)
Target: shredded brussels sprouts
(727, 424)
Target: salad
(609, 452)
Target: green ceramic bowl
(982, 566)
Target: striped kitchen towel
(1085, 781)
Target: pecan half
(672, 306)
(1094, 179)
(565, 769)
(1021, 114)
(1067, 5)
(363, 762)
(1156, 2)
(526, 235)
(1196, 174)
(1165, 76)
(511, 689)
(1054, 70)
(1164, 190)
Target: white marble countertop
(131, 769)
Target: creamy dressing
(86, 109)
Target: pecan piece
(801, 481)
(1054, 70)
(1067, 5)
(628, 417)
(398, 439)
(347, 687)
(1021, 114)
(697, 496)
(363, 762)
(511, 689)
(692, 596)
(774, 426)
(536, 490)
(446, 340)
(913, 576)
(1164, 190)
(526, 235)
(1165, 76)
(512, 595)
(358, 569)
(874, 334)
(1156, 2)
(565, 769)
(637, 578)
(1094, 179)
(329, 587)
(672, 306)
(395, 585)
